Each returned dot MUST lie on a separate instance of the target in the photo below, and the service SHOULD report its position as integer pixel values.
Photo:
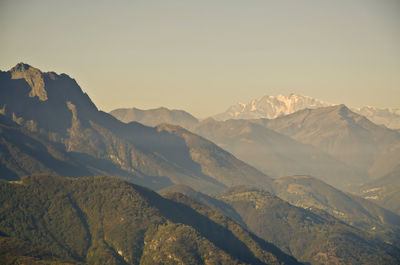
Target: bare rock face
(64, 116)
(33, 77)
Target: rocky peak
(33, 77)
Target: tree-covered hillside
(105, 220)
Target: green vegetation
(102, 220)
(308, 192)
(310, 235)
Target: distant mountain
(276, 154)
(332, 143)
(311, 235)
(207, 200)
(154, 117)
(271, 107)
(310, 193)
(384, 191)
(54, 108)
(345, 135)
(102, 220)
(273, 153)
(388, 117)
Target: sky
(203, 56)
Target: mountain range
(384, 191)
(53, 110)
(277, 178)
(103, 220)
(271, 107)
(345, 135)
(277, 154)
(311, 235)
(332, 143)
(154, 117)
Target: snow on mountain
(271, 107)
(388, 117)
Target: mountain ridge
(154, 117)
(311, 235)
(104, 220)
(346, 135)
(271, 107)
(67, 116)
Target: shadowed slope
(54, 107)
(344, 134)
(384, 191)
(108, 221)
(276, 154)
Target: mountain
(276, 154)
(273, 153)
(388, 117)
(154, 117)
(331, 143)
(103, 220)
(311, 235)
(270, 107)
(23, 152)
(54, 108)
(345, 135)
(384, 191)
(310, 193)
(207, 200)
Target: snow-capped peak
(271, 107)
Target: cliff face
(55, 108)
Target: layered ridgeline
(276, 154)
(345, 135)
(53, 110)
(384, 191)
(310, 235)
(271, 107)
(333, 144)
(310, 193)
(103, 220)
(154, 117)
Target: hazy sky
(203, 56)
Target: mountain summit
(33, 77)
(154, 117)
(53, 112)
(270, 107)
